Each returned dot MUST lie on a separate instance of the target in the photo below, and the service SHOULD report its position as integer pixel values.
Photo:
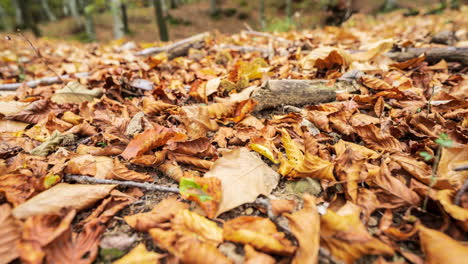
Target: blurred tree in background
(90, 20)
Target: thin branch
(464, 187)
(145, 185)
(42, 81)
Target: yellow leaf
(293, 151)
(139, 255)
(264, 151)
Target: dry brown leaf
(77, 196)
(153, 107)
(325, 58)
(96, 151)
(377, 139)
(172, 170)
(445, 198)
(341, 146)
(375, 83)
(243, 170)
(205, 230)
(97, 166)
(394, 186)
(147, 140)
(121, 172)
(12, 126)
(163, 212)
(346, 237)
(9, 233)
(139, 255)
(440, 248)
(450, 159)
(194, 161)
(258, 232)
(305, 225)
(150, 160)
(254, 257)
(35, 112)
(39, 231)
(280, 207)
(17, 188)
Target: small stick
(42, 81)
(145, 185)
(464, 187)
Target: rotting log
(179, 48)
(433, 55)
(276, 93)
(42, 81)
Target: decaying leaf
(9, 233)
(258, 232)
(97, 166)
(204, 191)
(55, 140)
(77, 196)
(241, 169)
(74, 92)
(305, 225)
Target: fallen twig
(42, 81)
(433, 55)
(179, 48)
(145, 185)
(265, 51)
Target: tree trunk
(262, 14)
(289, 10)
(49, 13)
(213, 7)
(163, 33)
(89, 23)
(19, 21)
(5, 24)
(73, 4)
(119, 28)
(29, 17)
(173, 4)
(125, 18)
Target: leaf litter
(375, 172)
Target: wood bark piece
(179, 48)
(42, 81)
(433, 55)
(276, 93)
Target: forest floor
(368, 166)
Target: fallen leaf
(445, 198)
(77, 196)
(204, 191)
(440, 248)
(305, 225)
(346, 237)
(254, 257)
(75, 92)
(240, 169)
(161, 213)
(55, 140)
(97, 166)
(147, 140)
(258, 232)
(9, 233)
(139, 255)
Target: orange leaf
(440, 248)
(305, 225)
(149, 139)
(258, 232)
(163, 212)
